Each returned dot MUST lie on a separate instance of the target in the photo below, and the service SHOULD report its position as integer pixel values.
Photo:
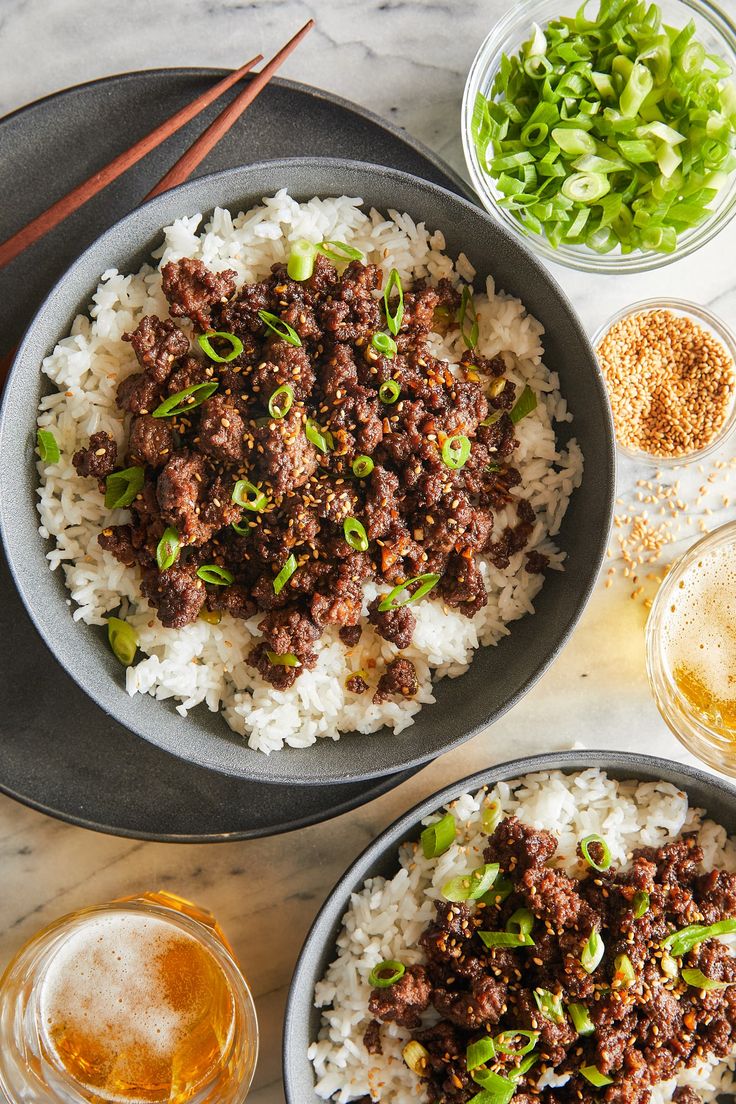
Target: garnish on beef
(421, 517)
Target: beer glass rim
(693, 732)
(208, 936)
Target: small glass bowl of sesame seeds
(669, 369)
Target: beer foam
(105, 983)
(700, 623)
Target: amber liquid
(138, 1011)
(700, 640)
(718, 712)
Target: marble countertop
(407, 60)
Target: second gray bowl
(380, 859)
(498, 676)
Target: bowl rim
(253, 765)
(614, 263)
(329, 917)
(701, 313)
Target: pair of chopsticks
(184, 167)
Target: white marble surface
(405, 59)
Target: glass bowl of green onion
(606, 133)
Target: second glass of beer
(137, 1002)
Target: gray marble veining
(407, 60)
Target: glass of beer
(691, 649)
(135, 1002)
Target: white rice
(205, 663)
(387, 916)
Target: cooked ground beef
(372, 1038)
(403, 1002)
(421, 517)
(400, 680)
(99, 458)
(645, 1029)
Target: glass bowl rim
(724, 333)
(582, 260)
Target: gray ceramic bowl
(499, 676)
(302, 1019)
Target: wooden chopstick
(196, 153)
(78, 196)
(183, 168)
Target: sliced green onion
(668, 965)
(213, 573)
(479, 1053)
(184, 401)
(490, 817)
(355, 534)
(504, 1041)
(496, 1089)
(624, 974)
(121, 487)
(285, 574)
(48, 448)
(585, 187)
(471, 887)
(682, 941)
(123, 640)
(206, 345)
(286, 660)
(416, 1057)
(641, 903)
(550, 1005)
(699, 980)
(517, 934)
(438, 837)
(638, 87)
(574, 141)
(384, 344)
(594, 112)
(525, 404)
(168, 548)
(581, 1019)
(594, 1075)
(504, 939)
(502, 888)
(455, 451)
(386, 973)
(242, 528)
(592, 952)
(389, 391)
(247, 495)
(467, 311)
(280, 328)
(362, 466)
(339, 251)
(300, 265)
(523, 1067)
(606, 858)
(392, 600)
(281, 401)
(393, 320)
(521, 921)
(320, 438)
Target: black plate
(58, 751)
(499, 676)
(716, 795)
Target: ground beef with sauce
(254, 466)
(648, 1020)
